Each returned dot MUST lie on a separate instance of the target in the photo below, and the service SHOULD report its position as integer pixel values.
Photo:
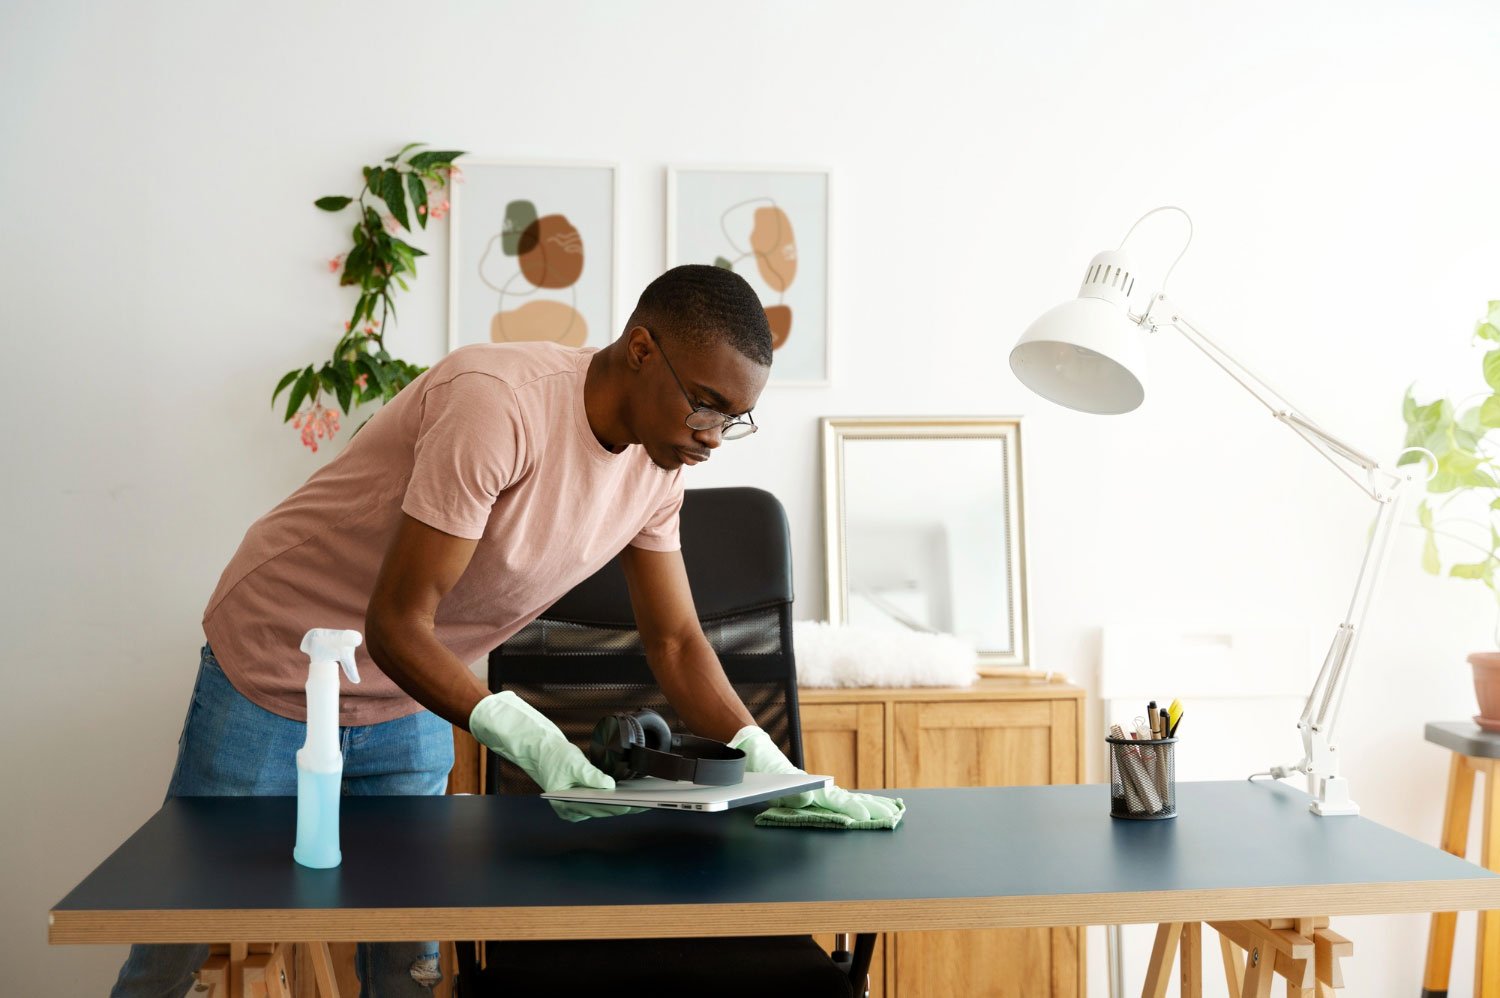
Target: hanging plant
(410, 185)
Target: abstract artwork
(532, 256)
(770, 227)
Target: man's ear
(638, 346)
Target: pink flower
(316, 422)
(440, 210)
(421, 209)
(335, 264)
(391, 225)
(362, 381)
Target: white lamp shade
(1088, 354)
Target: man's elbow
(386, 631)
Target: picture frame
(533, 252)
(771, 225)
(925, 529)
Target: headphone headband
(641, 744)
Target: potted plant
(1460, 514)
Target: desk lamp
(1089, 354)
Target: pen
(1165, 724)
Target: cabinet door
(847, 741)
(986, 743)
(962, 743)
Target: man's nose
(710, 438)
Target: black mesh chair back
(582, 659)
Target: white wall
(161, 265)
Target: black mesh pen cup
(1142, 778)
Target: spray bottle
(320, 766)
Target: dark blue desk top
(506, 867)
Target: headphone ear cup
(654, 731)
(609, 746)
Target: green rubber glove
(762, 756)
(509, 726)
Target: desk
(220, 868)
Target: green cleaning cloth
(814, 816)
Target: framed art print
(771, 227)
(532, 253)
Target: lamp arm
(1319, 718)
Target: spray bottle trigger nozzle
(346, 659)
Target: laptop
(649, 791)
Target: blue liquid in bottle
(318, 819)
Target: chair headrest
(737, 548)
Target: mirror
(925, 529)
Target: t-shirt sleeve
(660, 532)
(470, 447)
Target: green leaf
(1495, 504)
(418, 192)
(292, 376)
(404, 256)
(423, 160)
(1492, 369)
(1489, 413)
(300, 390)
(356, 264)
(1424, 514)
(333, 203)
(1458, 469)
(719, 261)
(373, 176)
(376, 371)
(1483, 570)
(1430, 562)
(394, 196)
(343, 387)
(1487, 331)
(404, 150)
(359, 310)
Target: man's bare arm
(422, 565)
(681, 658)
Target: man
(488, 488)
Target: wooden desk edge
(790, 918)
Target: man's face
(716, 377)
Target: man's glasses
(702, 417)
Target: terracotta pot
(1487, 682)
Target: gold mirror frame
(837, 430)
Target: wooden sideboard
(998, 732)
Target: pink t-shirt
(491, 444)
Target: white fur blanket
(840, 655)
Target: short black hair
(698, 305)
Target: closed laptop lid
(648, 791)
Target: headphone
(641, 744)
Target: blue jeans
(231, 747)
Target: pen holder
(1142, 778)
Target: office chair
(582, 659)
